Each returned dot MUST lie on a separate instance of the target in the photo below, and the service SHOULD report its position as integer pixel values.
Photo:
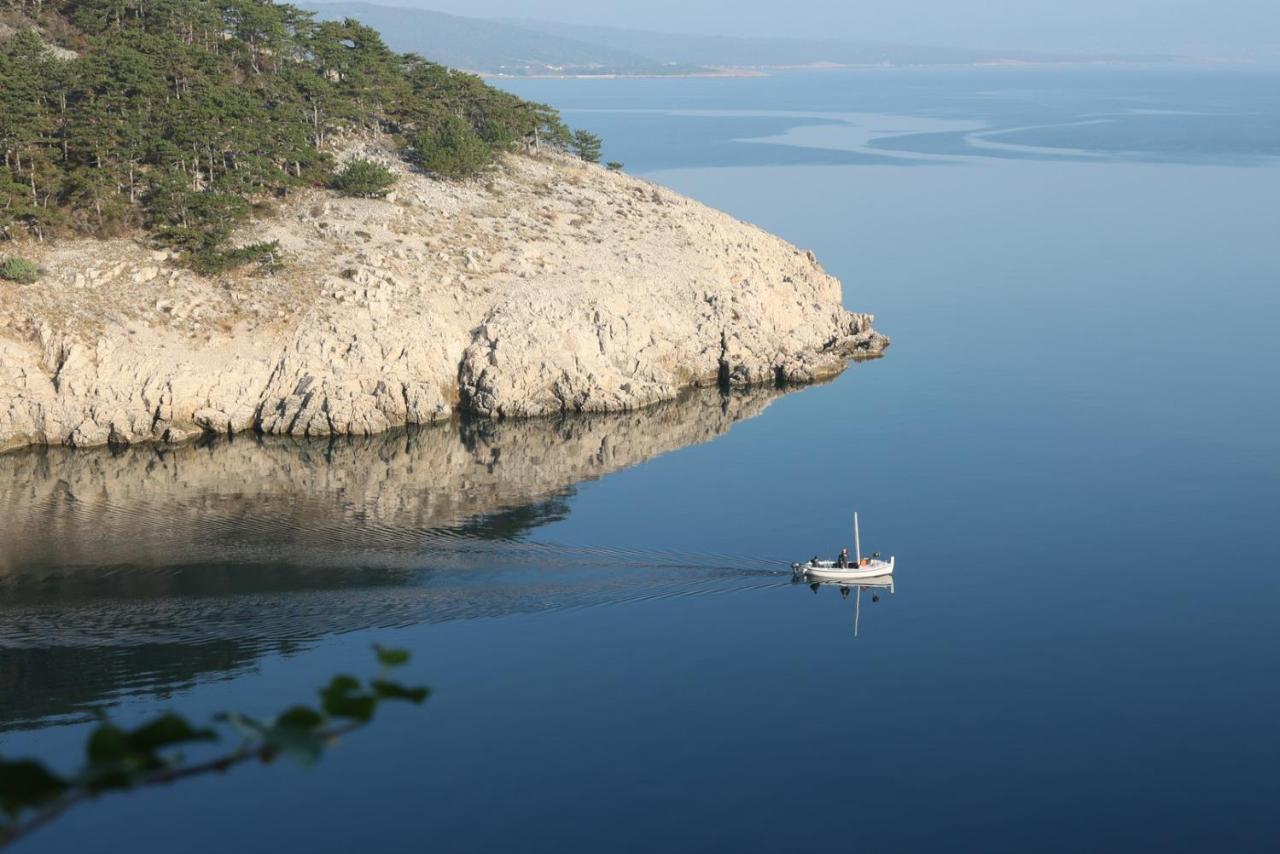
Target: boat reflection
(874, 585)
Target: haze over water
(1072, 448)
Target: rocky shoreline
(549, 286)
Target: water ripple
(146, 569)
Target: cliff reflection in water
(143, 569)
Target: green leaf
(341, 701)
(108, 743)
(386, 690)
(25, 784)
(113, 763)
(301, 744)
(344, 684)
(391, 657)
(358, 707)
(117, 757)
(166, 731)
(300, 717)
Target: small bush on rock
(213, 261)
(363, 179)
(20, 270)
(452, 149)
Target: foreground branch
(127, 760)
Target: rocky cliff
(549, 286)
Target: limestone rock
(550, 286)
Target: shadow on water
(145, 569)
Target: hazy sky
(1206, 27)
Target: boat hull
(829, 571)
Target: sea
(1071, 449)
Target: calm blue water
(1073, 449)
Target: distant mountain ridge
(766, 52)
(491, 47)
(526, 47)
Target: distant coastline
(768, 70)
(520, 48)
(639, 75)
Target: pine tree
(177, 115)
(586, 145)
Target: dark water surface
(1073, 449)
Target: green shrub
(20, 270)
(452, 149)
(363, 179)
(613, 166)
(212, 261)
(191, 220)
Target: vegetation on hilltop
(181, 116)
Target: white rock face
(549, 286)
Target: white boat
(829, 570)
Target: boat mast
(857, 542)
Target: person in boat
(843, 560)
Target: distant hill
(493, 47)
(521, 46)
(740, 52)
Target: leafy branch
(117, 759)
